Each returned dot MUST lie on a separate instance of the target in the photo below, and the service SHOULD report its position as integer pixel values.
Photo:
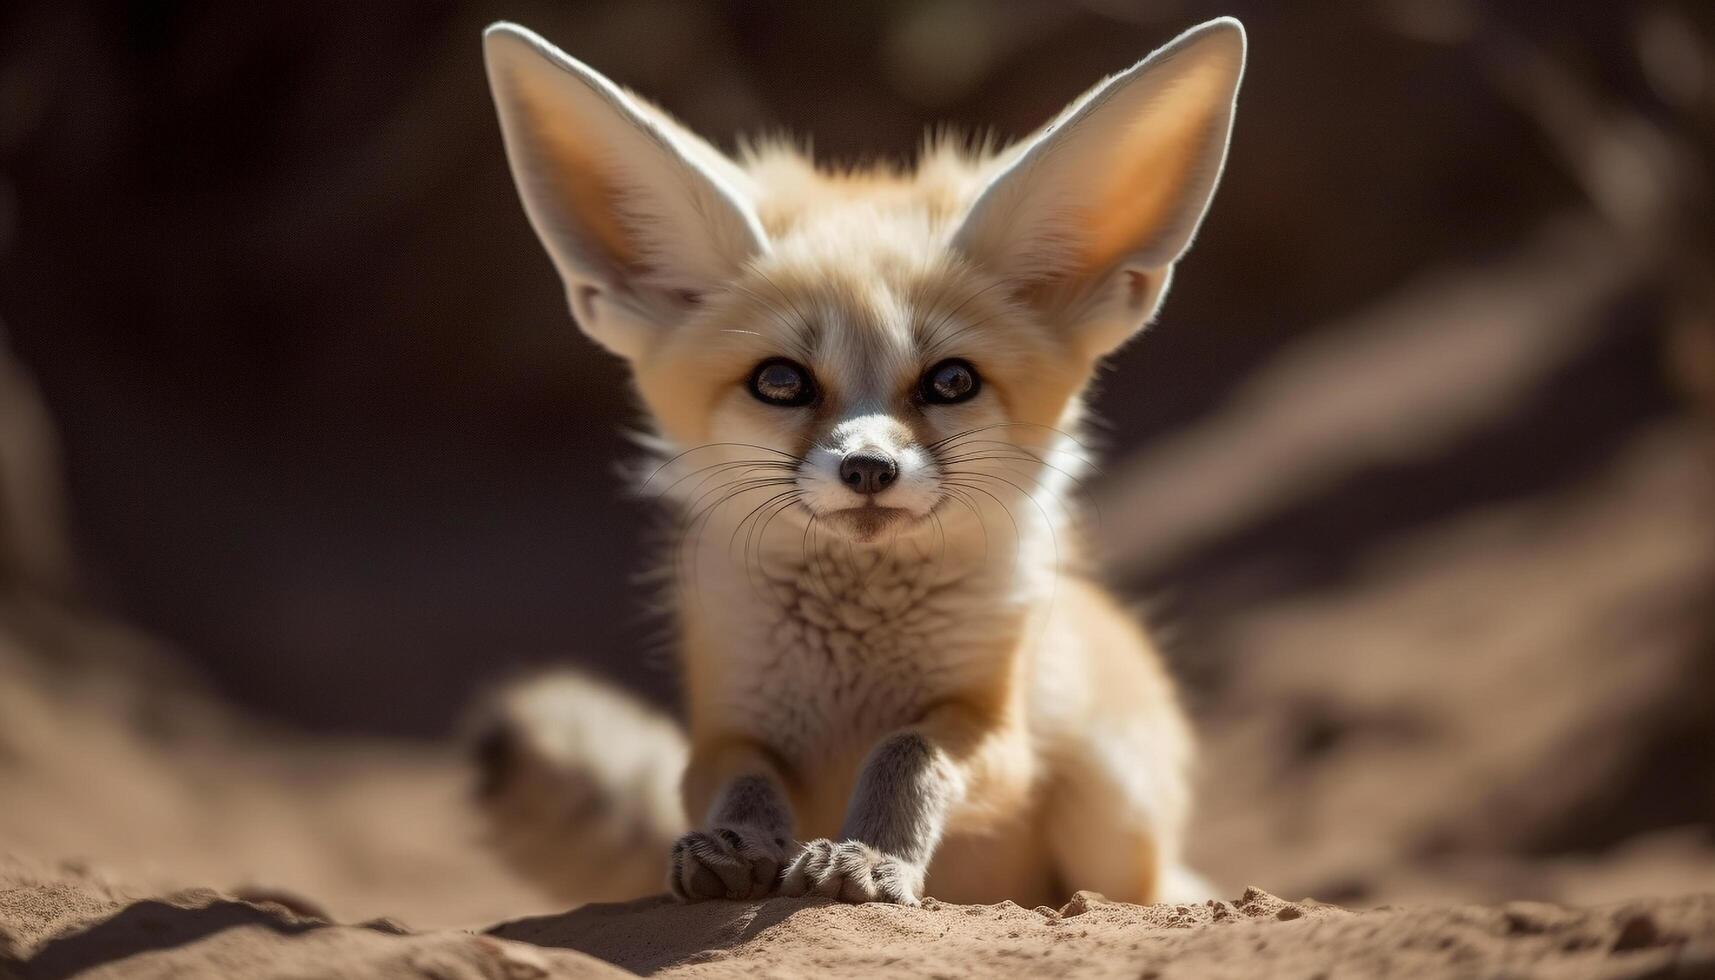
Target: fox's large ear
(1091, 213)
(640, 217)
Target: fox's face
(866, 350)
(877, 389)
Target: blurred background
(1413, 473)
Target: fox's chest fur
(818, 654)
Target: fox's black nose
(868, 471)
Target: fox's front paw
(727, 862)
(852, 871)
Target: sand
(62, 923)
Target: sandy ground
(73, 923)
(1514, 703)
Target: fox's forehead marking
(855, 321)
(869, 346)
(865, 258)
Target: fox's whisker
(1047, 519)
(697, 519)
(691, 512)
(1062, 503)
(1026, 467)
(761, 533)
(751, 515)
(1008, 425)
(952, 492)
(1022, 457)
(758, 519)
(1072, 454)
(748, 464)
(1074, 510)
(1048, 523)
(719, 445)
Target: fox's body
(1037, 687)
(867, 389)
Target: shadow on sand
(643, 937)
(653, 934)
(149, 926)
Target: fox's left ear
(1090, 215)
(640, 216)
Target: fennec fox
(866, 387)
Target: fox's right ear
(640, 217)
(1091, 213)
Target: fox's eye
(779, 381)
(950, 382)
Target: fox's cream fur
(866, 387)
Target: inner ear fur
(1091, 212)
(639, 216)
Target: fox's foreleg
(897, 813)
(747, 833)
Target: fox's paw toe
(852, 871)
(727, 862)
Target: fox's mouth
(868, 522)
